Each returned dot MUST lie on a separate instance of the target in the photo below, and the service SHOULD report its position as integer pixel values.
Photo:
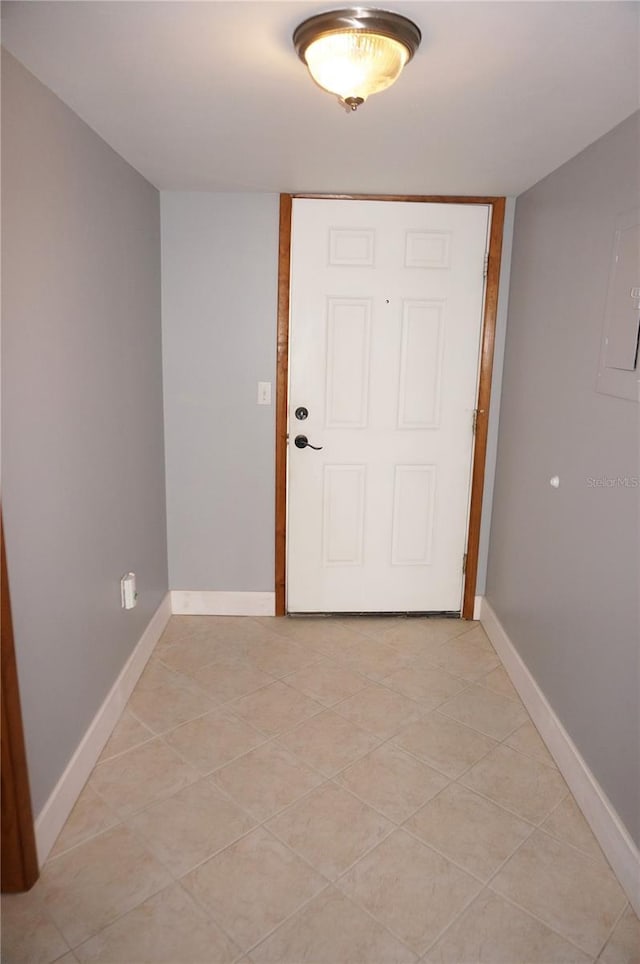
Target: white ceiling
(211, 96)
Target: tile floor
(335, 791)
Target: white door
(385, 323)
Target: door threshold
(430, 614)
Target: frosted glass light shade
(357, 51)
(355, 65)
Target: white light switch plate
(264, 393)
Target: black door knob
(302, 413)
(302, 442)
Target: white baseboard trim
(608, 828)
(194, 603)
(53, 815)
(477, 606)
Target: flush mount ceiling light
(356, 52)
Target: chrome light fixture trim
(366, 27)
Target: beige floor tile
(392, 781)
(127, 733)
(566, 823)
(376, 626)
(470, 656)
(466, 828)
(275, 708)
(189, 655)
(475, 634)
(141, 776)
(330, 829)
(444, 744)
(252, 886)
(190, 826)
(327, 682)
(410, 889)
(179, 627)
(236, 639)
(227, 679)
(336, 647)
(576, 896)
(519, 783)
(164, 699)
(244, 629)
(166, 929)
(331, 929)
(526, 739)
(86, 888)
(428, 685)
(266, 780)
(323, 634)
(486, 711)
(69, 958)
(417, 636)
(492, 931)
(213, 740)
(373, 658)
(89, 816)
(239, 629)
(498, 681)
(29, 936)
(623, 947)
(329, 742)
(280, 656)
(380, 710)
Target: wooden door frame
(497, 206)
(19, 855)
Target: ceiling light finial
(356, 52)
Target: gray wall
(83, 459)
(219, 302)
(563, 563)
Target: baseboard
(53, 815)
(477, 606)
(195, 603)
(608, 828)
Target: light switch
(264, 393)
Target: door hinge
(474, 422)
(464, 564)
(485, 265)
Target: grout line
(286, 920)
(503, 805)
(510, 900)
(36, 894)
(515, 903)
(456, 919)
(613, 930)
(483, 881)
(420, 954)
(372, 806)
(364, 853)
(208, 773)
(119, 916)
(174, 882)
(601, 858)
(115, 756)
(389, 930)
(598, 861)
